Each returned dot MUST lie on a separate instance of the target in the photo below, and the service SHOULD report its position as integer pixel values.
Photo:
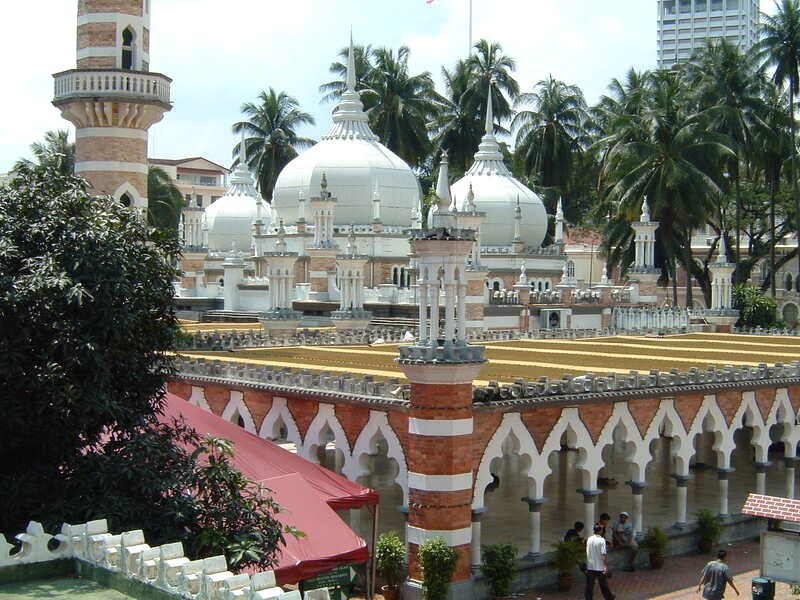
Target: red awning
(308, 492)
(328, 540)
(261, 459)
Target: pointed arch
(198, 398)
(723, 439)
(127, 188)
(589, 460)
(326, 415)
(236, 406)
(279, 413)
(511, 423)
(640, 456)
(378, 423)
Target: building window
(716, 4)
(199, 200)
(669, 7)
(214, 199)
(733, 4)
(125, 200)
(207, 180)
(700, 6)
(188, 198)
(127, 48)
(788, 282)
(685, 6)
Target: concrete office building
(685, 25)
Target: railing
(135, 85)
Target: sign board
(336, 577)
(780, 556)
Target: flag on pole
(428, 1)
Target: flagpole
(469, 50)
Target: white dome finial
(489, 110)
(443, 184)
(645, 216)
(351, 66)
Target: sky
(222, 53)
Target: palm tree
(271, 139)
(363, 59)
(402, 104)
(55, 151)
(489, 64)
(164, 201)
(729, 85)
(550, 133)
(780, 47)
(673, 161)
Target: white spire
(523, 276)
(280, 243)
(443, 185)
(376, 203)
(470, 206)
(489, 128)
(351, 66)
(645, 216)
(350, 249)
(349, 118)
(559, 210)
(722, 257)
(242, 182)
(559, 232)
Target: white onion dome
(356, 164)
(229, 220)
(496, 193)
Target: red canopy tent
(308, 492)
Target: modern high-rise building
(685, 25)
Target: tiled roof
(772, 507)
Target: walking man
(597, 565)
(715, 576)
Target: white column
(449, 309)
(637, 489)
(590, 507)
(423, 311)
(535, 517)
(761, 477)
(434, 291)
(681, 499)
(462, 314)
(722, 474)
(790, 462)
(477, 516)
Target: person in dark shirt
(715, 576)
(575, 532)
(605, 520)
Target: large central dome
(357, 166)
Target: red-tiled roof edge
(772, 507)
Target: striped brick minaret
(441, 368)
(112, 98)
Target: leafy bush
(708, 527)
(438, 563)
(755, 308)
(655, 541)
(390, 557)
(498, 567)
(568, 554)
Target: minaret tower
(441, 367)
(112, 98)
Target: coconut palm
(271, 138)
(402, 104)
(674, 162)
(55, 151)
(780, 48)
(489, 64)
(164, 201)
(550, 132)
(729, 85)
(457, 125)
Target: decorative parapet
(764, 331)
(452, 353)
(589, 387)
(282, 314)
(322, 383)
(161, 567)
(442, 233)
(112, 83)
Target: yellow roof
(531, 359)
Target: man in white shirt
(597, 565)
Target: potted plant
(567, 556)
(390, 556)
(655, 542)
(708, 529)
(438, 563)
(498, 568)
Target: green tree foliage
(55, 152)
(271, 138)
(164, 201)
(438, 563)
(88, 326)
(755, 309)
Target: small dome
(496, 193)
(229, 220)
(357, 166)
